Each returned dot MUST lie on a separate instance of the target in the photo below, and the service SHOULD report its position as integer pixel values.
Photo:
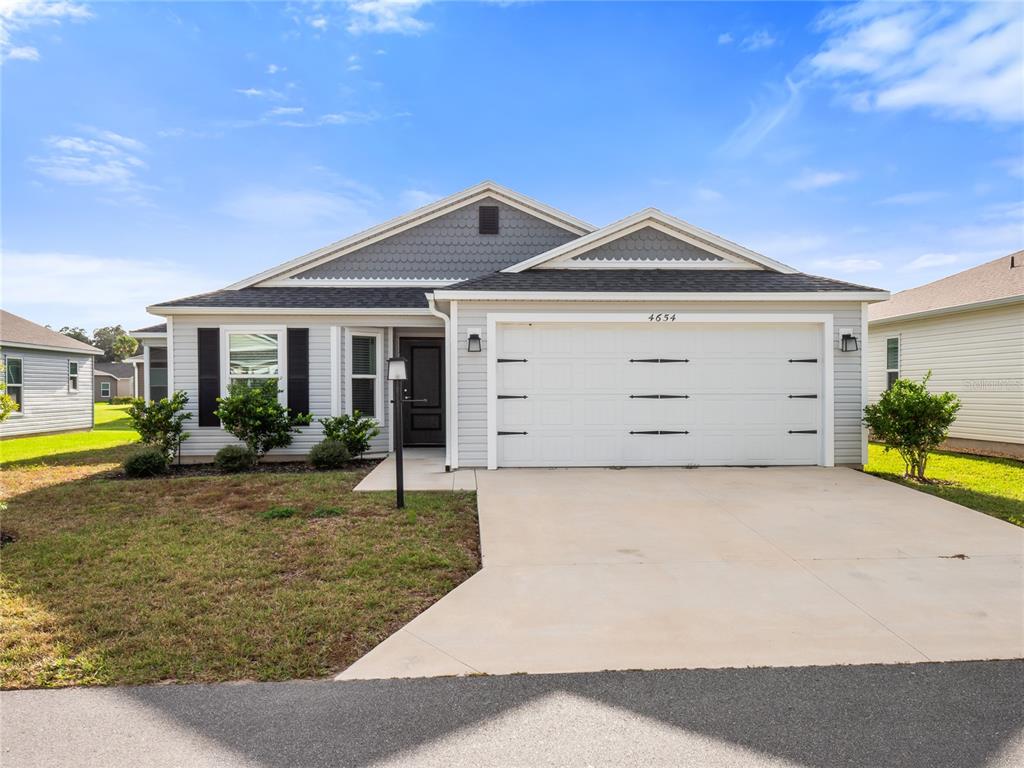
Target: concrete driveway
(596, 569)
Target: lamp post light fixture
(398, 373)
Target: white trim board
(420, 215)
(946, 310)
(670, 225)
(48, 348)
(765, 296)
(379, 403)
(225, 352)
(827, 321)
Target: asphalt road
(930, 715)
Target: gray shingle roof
(655, 280)
(117, 370)
(16, 330)
(158, 328)
(308, 298)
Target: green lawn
(989, 485)
(112, 429)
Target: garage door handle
(658, 432)
(803, 360)
(512, 433)
(511, 397)
(657, 397)
(511, 359)
(656, 360)
(803, 431)
(806, 397)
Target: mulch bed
(273, 467)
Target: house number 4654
(662, 317)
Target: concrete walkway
(424, 471)
(588, 570)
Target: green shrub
(234, 458)
(329, 454)
(912, 421)
(121, 400)
(327, 512)
(148, 462)
(161, 423)
(252, 413)
(355, 431)
(279, 513)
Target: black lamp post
(398, 374)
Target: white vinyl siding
(978, 354)
(472, 366)
(205, 441)
(47, 404)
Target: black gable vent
(488, 219)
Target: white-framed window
(892, 360)
(104, 389)
(253, 353)
(15, 376)
(364, 358)
(72, 376)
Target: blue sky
(153, 150)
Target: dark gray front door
(424, 416)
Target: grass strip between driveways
(991, 485)
(264, 576)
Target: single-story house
(968, 330)
(113, 380)
(49, 375)
(535, 339)
(150, 362)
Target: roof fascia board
(870, 296)
(668, 224)
(49, 348)
(414, 218)
(939, 311)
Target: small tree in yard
(161, 423)
(124, 346)
(912, 421)
(354, 430)
(252, 413)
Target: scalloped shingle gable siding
(648, 244)
(449, 247)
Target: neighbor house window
(72, 376)
(157, 383)
(253, 357)
(14, 379)
(365, 368)
(892, 361)
(104, 389)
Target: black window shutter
(298, 370)
(209, 376)
(488, 220)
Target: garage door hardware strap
(803, 360)
(658, 397)
(512, 433)
(658, 432)
(807, 397)
(511, 359)
(511, 397)
(803, 431)
(655, 360)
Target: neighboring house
(536, 339)
(49, 375)
(151, 363)
(113, 380)
(968, 330)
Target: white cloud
(21, 15)
(758, 41)
(417, 198)
(260, 93)
(929, 260)
(89, 290)
(963, 61)
(273, 69)
(725, 38)
(812, 179)
(285, 111)
(386, 16)
(317, 22)
(765, 116)
(707, 195)
(111, 161)
(848, 265)
(912, 198)
(297, 208)
(353, 63)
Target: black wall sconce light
(847, 341)
(474, 344)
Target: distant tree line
(114, 340)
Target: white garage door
(670, 394)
